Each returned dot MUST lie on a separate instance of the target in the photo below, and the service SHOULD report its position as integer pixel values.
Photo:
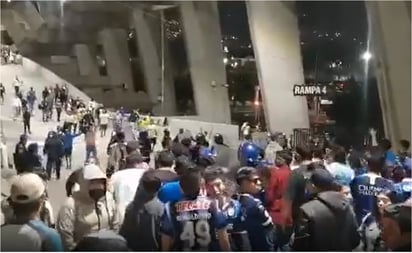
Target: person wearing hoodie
(142, 217)
(53, 147)
(326, 222)
(90, 209)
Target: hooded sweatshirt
(78, 216)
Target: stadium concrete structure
(63, 36)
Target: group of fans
(310, 198)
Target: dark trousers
(53, 163)
(26, 125)
(282, 237)
(59, 112)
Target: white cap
(92, 171)
(26, 188)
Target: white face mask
(154, 206)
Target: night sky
(316, 18)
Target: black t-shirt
(296, 188)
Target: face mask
(97, 194)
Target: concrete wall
(205, 56)
(275, 38)
(390, 26)
(11, 21)
(33, 68)
(116, 51)
(86, 62)
(148, 31)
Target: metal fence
(301, 136)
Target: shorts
(68, 151)
(103, 126)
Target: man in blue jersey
(366, 187)
(256, 220)
(221, 191)
(171, 192)
(194, 222)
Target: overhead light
(366, 56)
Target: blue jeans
(282, 238)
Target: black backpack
(142, 225)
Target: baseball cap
(322, 178)
(92, 171)
(26, 188)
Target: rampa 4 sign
(309, 90)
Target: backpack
(146, 227)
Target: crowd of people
(9, 55)
(313, 197)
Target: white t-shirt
(125, 183)
(104, 119)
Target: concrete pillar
(203, 46)
(275, 38)
(86, 62)
(15, 28)
(116, 52)
(29, 13)
(390, 27)
(148, 31)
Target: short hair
(134, 159)
(339, 154)
(182, 164)
(211, 173)
(386, 144)
(165, 159)
(317, 153)
(150, 182)
(285, 155)
(376, 160)
(304, 152)
(405, 144)
(190, 182)
(245, 173)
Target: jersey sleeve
(261, 214)
(166, 222)
(219, 218)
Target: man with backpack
(117, 155)
(141, 226)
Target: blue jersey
(364, 189)
(193, 223)
(403, 190)
(239, 240)
(257, 222)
